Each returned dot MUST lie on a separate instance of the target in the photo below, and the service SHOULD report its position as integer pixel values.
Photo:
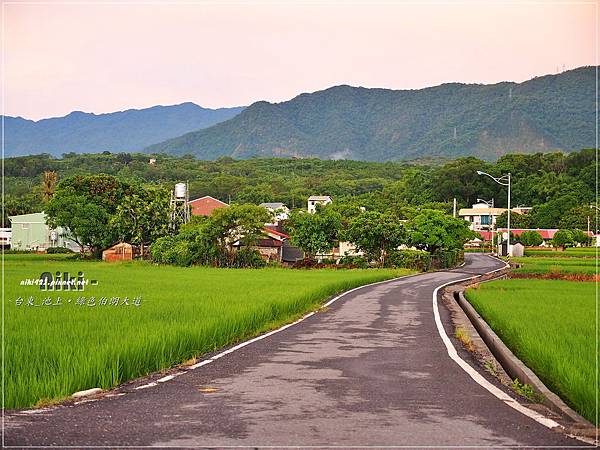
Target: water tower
(180, 207)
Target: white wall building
(315, 200)
(483, 218)
(279, 210)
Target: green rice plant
(578, 252)
(541, 265)
(183, 312)
(551, 326)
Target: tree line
(558, 186)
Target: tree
(459, 179)
(577, 218)
(549, 214)
(84, 205)
(435, 231)
(244, 223)
(531, 238)
(48, 184)
(375, 234)
(142, 216)
(516, 220)
(562, 239)
(86, 222)
(315, 233)
(580, 237)
(210, 240)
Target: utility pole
(504, 180)
(588, 217)
(454, 208)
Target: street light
(490, 204)
(504, 180)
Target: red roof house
(204, 206)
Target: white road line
(144, 386)
(167, 378)
(270, 333)
(476, 376)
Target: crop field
(170, 315)
(551, 326)
(564, 265)
(580, 252)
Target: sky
(99, 58)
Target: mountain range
(123, 131)
(547, 113)
(553, 112)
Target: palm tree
(49, 184)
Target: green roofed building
(31, 232)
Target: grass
(53, 351)
(463, 336)
(581, 252)
(565, 265)
(550, 325)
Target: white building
(315, 200)
(279, 210)
(483, 218)
(5, 235)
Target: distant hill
(123, 131)
(553, 112)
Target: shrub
(531, 238)
(447, 259)
(248, 257)
(52, 250)
(409, 259)
(354, 261)
(562, 238)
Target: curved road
(370, 370)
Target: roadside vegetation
(53, 351)
(549, 325)
(548, 319)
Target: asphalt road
(371, 370)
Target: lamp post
(504, 180)
(490, 204)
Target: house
(483, 218)
(31, 232)
(204, 206)
(278, 209)
(119, 252)
(274, 246)
(315, 200)
(5, 235)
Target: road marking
(285, 327)
(476, 376)
(167, 378)
(144, 386)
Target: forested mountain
(130, 130)
(553, 112)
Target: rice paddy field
(550, 324)
(578, 252)
(140, 318)
(562, 265)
